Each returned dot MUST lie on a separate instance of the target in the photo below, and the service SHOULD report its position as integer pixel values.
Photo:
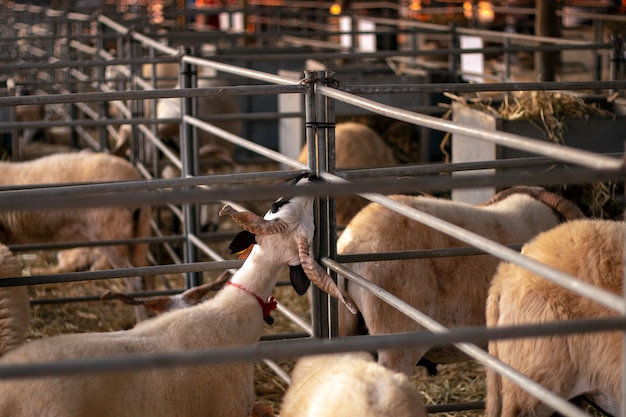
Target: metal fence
(64, 57)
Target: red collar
(267, 307)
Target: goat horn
(254, 223)
(318, 276)
(565, 208)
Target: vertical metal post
(546, 24)
(72, 88)
(598, 36)
(102, 106)
(309, 117)
(321, 147)
(328, 234)
(454, 59)
(138, 151)
(322, 218)
(507, 60)
(319, 311)
(189, 159)
(153, 109)
(617, 57)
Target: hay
(548, 111)
(545, 109)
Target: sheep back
(68, 168)
(62, 225)
(451, 290)
(93, 224)
(349, 385)
(591, 250)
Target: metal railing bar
(121, 273)
(168, 248)
(258, 149)
(68, 245)
(294, 318)
(136, 120)
(554, 275)
(136, 194)
(482, 87)
(172, 157)
(154, 44)
(150, 94)
(438, 168)
(244, 72)
(414, 254)
(489, 34)
(280, 372)
(284, 336)
(94, 298)
(472, 350)
(451, 407)
(291, 349)
(561, 152)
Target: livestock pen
(69, 72)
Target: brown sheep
(453, 290)
(93, 224)
(573, 365)
(356, 146)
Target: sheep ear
(299, 281)
(158, 304)
(194, 295)
(241, 242)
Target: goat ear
(299, 281)
(158, 304)
(242, 242)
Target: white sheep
(356, 146)
(233, 317)
(349, 384)
(451, 290)
(82, 224)
(573, 365)
(14, 304)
